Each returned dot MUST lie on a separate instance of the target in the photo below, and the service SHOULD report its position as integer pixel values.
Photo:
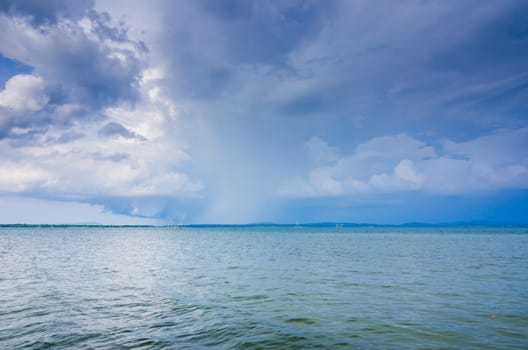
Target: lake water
(264, 288)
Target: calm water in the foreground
(264, 288)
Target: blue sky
(166, 112)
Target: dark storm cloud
(88, 75)
(36, 136)
(30, 137)
(208, 42)
(85, 61)
(114, 157)
(348, 58)
(97, 70)
(113, 129)
(69, 136)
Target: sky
(239, 111)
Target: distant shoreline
(304, 225)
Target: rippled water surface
(264, 288)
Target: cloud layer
(240, 111)
(401, 163)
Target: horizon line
(330, 224)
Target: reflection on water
(253, 288)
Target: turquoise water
(264, 288)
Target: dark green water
(264, 288)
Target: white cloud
(24, 93)
(320, 151)
(322, 180)
(90, 77)
(89, 61)
(402, 163)
(403, 178)
(405, 170)
(136, 150)
(85, 167)
(20, 177)
(490, 162)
